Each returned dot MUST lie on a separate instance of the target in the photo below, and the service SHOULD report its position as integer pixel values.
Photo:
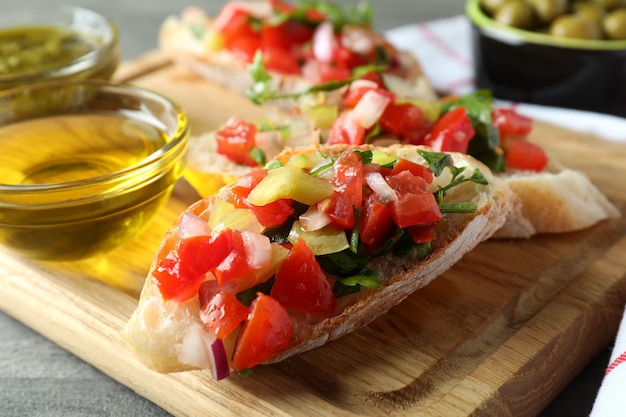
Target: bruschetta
(302, 44)
(316, 245)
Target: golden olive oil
(55, 149)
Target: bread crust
(156, 329)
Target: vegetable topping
(297, 236)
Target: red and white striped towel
(443, 48)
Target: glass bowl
(84, 165)
(51, 42)
(534, 67)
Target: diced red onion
(369, 108)
(191, 225)
(313, 219)
(219, 360)
(201, 349)
(258, 249)
(324, 42)
(378, 184)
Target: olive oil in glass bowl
(84, 165)
(55, 42)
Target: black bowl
(532, 67)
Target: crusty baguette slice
(556, 200)
(156, 329)
(180, 41)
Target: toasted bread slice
(189, 40)
(555, 200)
(157, 328)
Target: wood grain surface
(500, 334)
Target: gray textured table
(38, 378)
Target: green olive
(614, 24)
(490, 6)
(548, 10)
(589, 9)
(516, 13)
(575, 26)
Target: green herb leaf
(258, 155)
(437, 161)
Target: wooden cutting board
(500, 334)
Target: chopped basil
(437, 161)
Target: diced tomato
(235, 263)
(333, 72)
(415, 204)
(273, 214)
(286, 35)
(180, 274)
(510, 123)
(423, 233)
(245, 183)
(346, 58)
(173, 285)
(236, 140)
(346, 130)
(245, 47)
(525, 155)
(407, 121)
(223, 313)
(376, 221)
(238, 33)
(348, 181)
(414, 168)
(348, 177)
(200, 254)
(452, 132)
(267, 330)
(280, 60)
(301, 284)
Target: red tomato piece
(280, 60)
(301, 284)
(348, 177)
(376, 221)
(238, 33)
(526, 156)
(235, 264)
(414, 168)
(452, 132)
(423, 233)
(348, 181)
(288, 35)
(511, 123)
(333, 72)
(173, 285)
(273, 214)
(407, 121)
(245, 183)
(415, 204)
(236, 140)
(223, 313)
(267, 330)
(199, 254)
(346, 130)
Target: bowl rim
(171, 151)
(513, 35)
(92, 59)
